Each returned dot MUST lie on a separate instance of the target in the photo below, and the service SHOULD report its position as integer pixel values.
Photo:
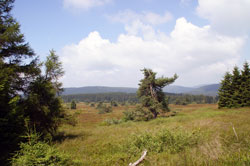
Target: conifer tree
(43, 106)
(18, 67)
(54, 70)
(245, 85)
(26, 96)
(150, 91)
(236, 84)
(225, 92)
(73, 104)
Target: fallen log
(140, 159)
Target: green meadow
(191, 135)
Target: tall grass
(196, 135)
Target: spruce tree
(54, 71)
(150, 91)
(73, 104)
(43, 106)
(26, 96)
(236, 84)
(225, 92)
(245, 85)
(18, 67)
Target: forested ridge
(180, 99)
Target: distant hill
(208, 90)
(177, 89)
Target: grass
(196, 135)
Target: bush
(35, 152)
(128, 115)
(71, 119)
(73, 105)
(164, 141)
(113, 104)
(139, 114)
(104, 109)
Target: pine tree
(26, 96)
(18, 66)
(225, 92)
(54, 71)
(236, 83)
(43, 106)
(150, 91)
(245, 85)
(73, 104)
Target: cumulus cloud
(129, 16)
(84, 4)
(230, 17)
(141, 24)
(196, 54)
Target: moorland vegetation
(37, 128)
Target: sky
(108, 42)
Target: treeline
(235, 88)
(179, 99)
(184, 99)
(102, 97)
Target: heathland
(194, 134)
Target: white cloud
(231, 17)
(196, 54)
(84, 4)
(129, 16)
(141, 24)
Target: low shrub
(35, 152)
(164, 141)
(104, 109)
(73, 104)
(139, 114)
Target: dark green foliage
(245, 85)
(25, 94)
(113, 104)
(150, 92)
(139, 114)
(103, 109)
(43, 108)
(225, 92)
(99, 105)
(235, 88)
(35, 152)
(42, 105)
(15, 77)
(131, 98)
(73, 105)
(102, 97)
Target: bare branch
(140, 159)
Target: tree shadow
(62, 136)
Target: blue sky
(107, 42)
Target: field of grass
(196, 135)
